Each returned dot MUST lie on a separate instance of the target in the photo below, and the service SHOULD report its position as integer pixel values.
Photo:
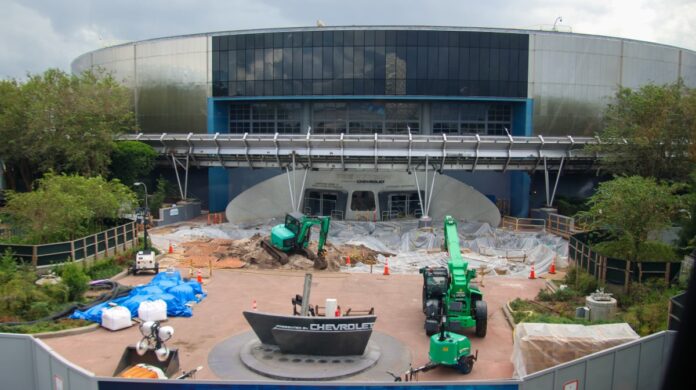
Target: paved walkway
(396, 299)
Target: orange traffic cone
(532, 274)
(552, 269)
(199, 277)
(171, 248)
(386, 267)
(347, 261)
(253, 305)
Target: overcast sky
(39, 34)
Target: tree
(61, 123)
(658, 124)
(629, 209)
(132, 161)
(66, 207)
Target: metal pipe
(558, 176)
(546, 182)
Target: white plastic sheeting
(493, 251)
(539, 346)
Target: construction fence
(28, 363)
(103, 244)
(616, 271)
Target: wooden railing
(523, 224)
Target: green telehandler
(451, 303)
(293, 236)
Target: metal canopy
(374, 152)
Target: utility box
(145, 260)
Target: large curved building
(387, 80)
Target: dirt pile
(248, 253)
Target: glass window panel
(307, 39)
(358, 88)
(267, 40)
(265, 111)
(216, 43)
(268, 64)
(278, 40)
(513, 58)
(494, 65)
(258, 64)
(453, 39)
(422, 70)
(453, 67)
(369, 38)
(380, 87)
(287, 87)
(380, 63)
(369, 62)
(317, 63)
(411, 62)
(366, 111)
(287, 63)
(268, 87)
(338, 38)
(222, 66)
(445, 128)
(432, 38)
(442, 62)
(240, 111)
(277, 87)
(249, 64)
(495, 41)
(258, 41)
(400, 87)
(355, 127)
(422, 38)
(401, 38)
(327, 62)
(307, 62)
(277, 64)
(249, 38)
(317, 38)
(297, 63)
(445, 111)
(297, 87)
(391, 62)
(380, 39)
(232, 65)
(401, 62)
(289, 111)
(463, 63)
(348, 38)
(232, 42)
(224, 46)
(369, 86)
(504, 65)
(359, 38)
(432, 61)
(484, 64)
(338, 62)
(412, 38)
(328, 38)
(348, 86)
(390, 38)
(473, 65)
(359, 62)
(411, 86)
(297, 39)
(307, 87)
(402, 111)
(241, 65)
(347, 62)
(316, 87)
(216, 65)
(288, 40)
(485, 40)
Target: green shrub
(75, 279)
(559, 295)
(104, 269)
(581, 281)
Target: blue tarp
(167, 286)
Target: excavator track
(277, 254)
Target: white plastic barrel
(153, 310)
(331, 305)
(116, 318)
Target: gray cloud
(36, 35)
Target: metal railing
(523, 224)
(105, 243)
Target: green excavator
(294, 235)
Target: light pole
(147, 211)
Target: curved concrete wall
(271, 198)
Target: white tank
(153, 310)
(331, 306)
(602, 306)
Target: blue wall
(218, 177)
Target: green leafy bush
(580, 281)
(559, 295)
(75, 279)
(104, 269)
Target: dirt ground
(396, 299)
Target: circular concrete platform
(269, 361)
(243, 357)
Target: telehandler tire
(481, 318)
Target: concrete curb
(66, 332)
(507, 312)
